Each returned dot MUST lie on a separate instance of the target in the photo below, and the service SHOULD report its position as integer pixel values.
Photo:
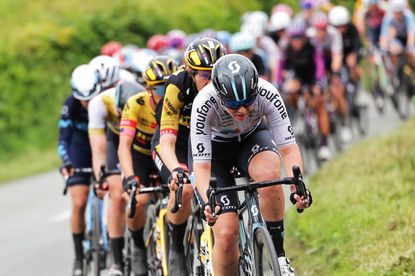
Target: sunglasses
(235, 105)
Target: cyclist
(103, 130)
(398, 32)
(244, 44)
(373, 22)
(329, 40)
(75, 151)
(138, 123)
(228, 130)
(170, 141)
(339, 17)
(108, 68)
(302, 70)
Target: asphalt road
(35, 235)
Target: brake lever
(179, 192)
(211, 194)
(299, 185)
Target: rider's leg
(225, 249)
(79, 196)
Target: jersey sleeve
(66, 124)
(277, 117)
(170, 115)
(97, 114)
(337, 42)
(201, 127)
(129, 117)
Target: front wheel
(96, 236)
(265, 256)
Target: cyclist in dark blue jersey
(75, 151)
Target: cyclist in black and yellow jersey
(170, 142)
(138, 123)
(103, 129)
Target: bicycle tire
(154, 265)
(96, 236)
(265, 256)
(190, 245)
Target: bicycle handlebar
(132, 202)
(76, 170)
(297, 180)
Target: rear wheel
(265, 257)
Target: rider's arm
(97, 114)
(291, 156)
(169, 126)
(384, 33)
(127, 133)
(410, 44)
(201, 172)
(336, 50)
(65, 131)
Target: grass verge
(30, 163)
(362, 221)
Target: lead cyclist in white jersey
(227, 130)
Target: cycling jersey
(402, 27)
(139, 122)
(332, 43)
(211, 121)
(351, 40)
(73, 146)
(307, 64)
(103, 113)
(177, 105)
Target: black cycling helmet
(124, 90)
(235, 78)
(202, 53)
(159, 70)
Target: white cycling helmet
(242, 42)
(280, 21)
(397, 5)
(339, 16)
(108, 68)
(85, 82)
(255, 23)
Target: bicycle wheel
(154, 264)
(191, 245)
(265, 257)
(96, 236)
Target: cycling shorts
(227, 155)
(80, 178)
(113, 140)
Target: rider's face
(241, 113)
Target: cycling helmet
(210, 33)
(282, 8)
(339, 16)
(235, 78)
(202, 53)
(140, 61)
(126, 75)
(126, 55)
(85, 82)
(397, 5)
(242, 42)
(176, 38)
(159, 70)
(319, 20)
(157, 42)
(307, 4)
(280, 21)
(124, 90)
(176, 54)
(110, 48)
(255, 23)
(297, 28)
(108, 68)
(224, 37)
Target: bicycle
(258, 255)
(96, 243)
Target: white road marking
(61, 216)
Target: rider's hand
(299, 201)
(208, 216)
(179, 172)
(130, 182)
(100, 190)
(67, 170)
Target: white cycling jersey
(210, 120)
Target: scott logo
(234, 66)
(225, 200)
(290, 130)
(200, 148)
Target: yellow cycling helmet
(159, 70)
(202, 53)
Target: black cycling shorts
(113, 140)
(227, 155)
(143, 166)
(80, 178)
